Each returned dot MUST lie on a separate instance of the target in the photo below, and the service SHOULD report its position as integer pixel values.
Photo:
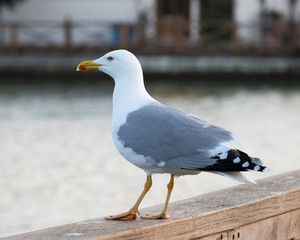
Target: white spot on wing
(236, 160)
(245, 164)
(256, 168)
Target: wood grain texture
(268, 210)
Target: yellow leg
(163, 214)
(131, 214)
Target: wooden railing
(215, 38)
(269, 210)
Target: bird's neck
(128, 96)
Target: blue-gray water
(59, 165)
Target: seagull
(161, 139)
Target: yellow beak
(87, 65)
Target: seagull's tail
(237, 176)
(236, 161)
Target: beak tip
(80, 68)
(87, 65)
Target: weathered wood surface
(268, 210)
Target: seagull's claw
(123, 216)
(160, 216)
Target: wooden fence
(269, 210)
(86, 36)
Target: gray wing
(176, 138)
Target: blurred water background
(59, 164)
(234, 63)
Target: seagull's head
(117, 64)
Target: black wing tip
(236, 161)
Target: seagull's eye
(110, 59)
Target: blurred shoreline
(161, 64)
(61, 70)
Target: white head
(129, 93)
(118, 64)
